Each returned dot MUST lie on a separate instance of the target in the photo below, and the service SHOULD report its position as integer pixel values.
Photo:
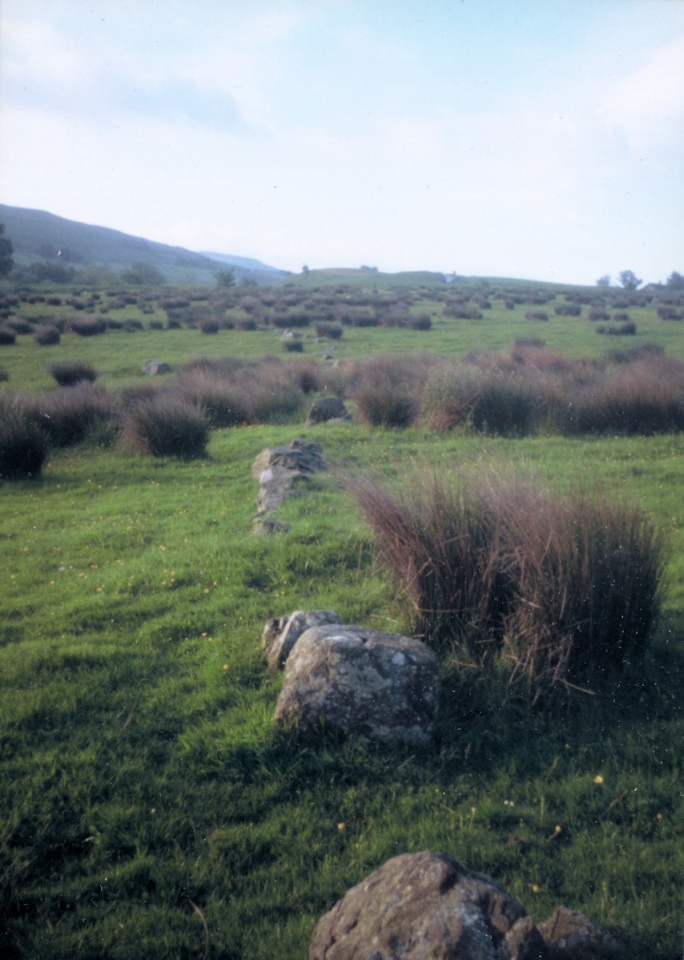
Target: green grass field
(149, 806)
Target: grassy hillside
(38, 235)
(149, 807)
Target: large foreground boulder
(281, 633)
(426, 906)
(353, 680)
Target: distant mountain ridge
(39, 235)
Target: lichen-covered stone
(280, 634)
(572, 935)
(426, 906)
(354, 680)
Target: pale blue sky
(526, 138)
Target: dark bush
(293, 346)
(155, 325)
(421, 322)
(47, 335)
(7, 337)
(81, 413)
(133, 325)
(23, 445)
(87, 326)
(568, 310)
(209, 327)
(20, 326)
(642, 397)
(330, 331)
(219, 399)
(166, 426)
(4, 375)
(597, 314)
(562, 589)
(537, 315)
(68, 374)
(388, 390)
(245, 323)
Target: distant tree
(675, 281)
(603, 281)
(305, 269)
(629, 280)
(53, 272)
(225, 278)
(6, 251)
(96, 275)
(143, 275)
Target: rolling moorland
(150, 805)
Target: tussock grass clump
(86, 326)
(218, 398)
(556, 589)
(293, 346)
(166, 426)
(491, 401)
(7, 337)
(82, 413)
(47, 335)
(23, 445)
(329, 331)
(387, 392)
(73, 372)
(644, 396)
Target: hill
(38, 235)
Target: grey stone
(153, 368)
(327, 408)
(281, 634)
(571, 935)
(426, 906)
(280, 469)
(354, 680)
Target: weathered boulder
(327, 408)
(153, 368)
(280, 469)
(571, 935)
(281, 633)
(354, 680)
(426, 906)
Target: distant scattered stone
(355, 680)
(153, 368)
(571, 935)
(280, 634)
(327, 408)
(426, 906)
(290, 335)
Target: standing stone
(327, 408)
(280, 634)
(426, 906)
(353, 680)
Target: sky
(541, 139)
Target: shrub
(421, 322)
(4, 375)
(490, 401)
(293, 346)
(560, 589)
(73, 416)
(589, 576)
(387, 393)
(245, 323)
(69, 374)
(209, 326)
(155, 325)
(219, 400)
(7, 337)
(87, 326)
(23, 445)
(328, 330)
(21, 327)
(537, 315)
(645, 397)
(568, 310)
(47, 335)
(165, 427)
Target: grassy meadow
(149, 806)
